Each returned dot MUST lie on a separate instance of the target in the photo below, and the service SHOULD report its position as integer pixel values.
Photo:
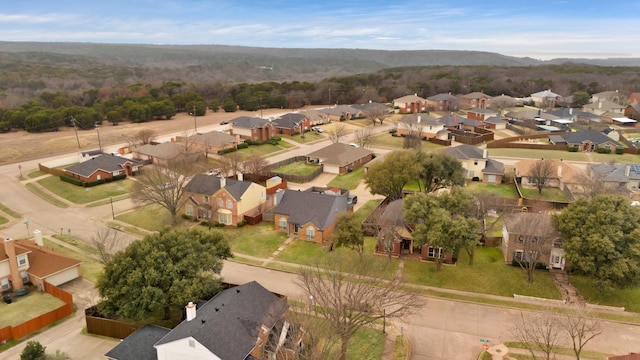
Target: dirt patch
(20, 146)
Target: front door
(295, 229)
(557, 262)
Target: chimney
(37, 236)
(240, 177)
(627, 170)
(10, 250)
(191, 311)
(223, 181)
(599, 104)
(559, 171)
(570, 111)
(484, 154)
(419, 119)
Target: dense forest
(44, 89)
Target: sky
(541, 29)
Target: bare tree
(231, 163)
(164, 186)
(534, 237)
(413, 139)
(539, 333)
(336, 132)
(106, 240)
(377, 113)
(348, 295)
(364, 137)
(145, 136)
(593, 185)
(500, 103)
(540, 173)
(255, 164)
(581, 329)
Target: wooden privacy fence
(96, 324)
(37, 323)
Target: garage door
(491, 179)
(63, 276)
(331, 169)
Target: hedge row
(79, 182)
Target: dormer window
(22, 260)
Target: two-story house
(421, 125)
(477, 100)
(226, 201)
(253, 128)
(410, 104)
(442, 102)
(292, 123)
(477, 164)
(532, 234)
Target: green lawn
(3, 220)
(500, 190)
(537, 154)
(9, 212)
(622, 158)
(46, 196)
(255, 240)
(151, 217)
(548, 194)
(489, 275)
(262, 150)
(365, 209)
(309, 136)
(36, 173)
(348, 180)
(494, 226)
(627, 298)
(81, 195)
(300, 168)
(385, 139)
(90, 267)
(27, 307)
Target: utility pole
(195, 125)
(99, 142)
(75, 127)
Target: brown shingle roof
(340, 154)
(43, 261)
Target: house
(477, 100)
(575, 115)
(394, 236)
(602, 106)
(340, 158)
(210, 142)
(308, 215)
(410, 104)
(630, 356)
(610, 95)
(375, 106)
(253, 128)
(496, 122)
(23, 261)
(165, 154)
(632, 111)
(458, 122)
(523, 232)
(480, 114)
(442, 102)
(292, 123)
(612, 133)
(102, 167)
(563, 175)
(546, 99)
(316, 117)
(342, 112)
(617, 176)
(477, 164)
(591, 140)
(634, 98)
(424, 126)
(226, 201)
(245, 322)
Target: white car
(354, 145)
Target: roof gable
(289, 120)
(249, 122)
(105, 162)
(340, 154)
(296, 204)
(465, 152)
(420, 119)
(208, 185)
(139, 345)
(589, 135)
(43, 261)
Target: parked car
(224, 122)
(354, 145)
(317, 129)
(352, 199)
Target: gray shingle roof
(213, 138)
(419, 119)
(106, 162)
(139, 345)
(249, 122)
(167, 150)
(495, 120)
(465, 152)
(303, 207)
(340, 154)
(289, 120)
(616, 172)
(442, 97)
(209, 185)
(228, 324)
(493, 167)
(589, 135)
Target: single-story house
(496, 122)
(339, 158)
(422, 125)
(253, 128)
(524, 232)
(410, 104)
(477, 164)
(165, 154)
(342, 112)
(563, 175)
(308, 215)
(480, 114)
(292, 123)
(316, 117)
(102, 167)
(617, 176)
(223, 200)
(245, 322)
(211, 142)
(591, 140)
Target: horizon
(545, 30)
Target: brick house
(227, 201)
(522, 232)
(102, 167)
(253, 128)
(410, 104)
(424, 126)
(165, 154)
(480, 114)
(477, 164)
(245, 322)
(308, 215)
(442, 102)
(340, 158)
(292, 123)
(478, 100)
(211, 142)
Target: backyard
(27, 307)
(349, 180)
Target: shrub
(243, 145)
(276, 138)
(242, 223)
(71, 180)
(619, 151)
(188, 217)
(573, 148)
(33, 351)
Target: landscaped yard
(627, 298)
(548, 194)
(151, 217)
(255, 240)
(385, 139)
(262, 150)
(27, 307)
(349, 180)
(500, 190)
(489, 274)
(82, 195)
(309, 136)
(300, 168)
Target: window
(311, 233)
(22, 260)
(434, 252)
(518, 255)
(188, 210)
(4, 284)
(229, 204)
(520, 239)
(24, 276)
(224, 218)
(475, 162)
(99, 177)
(206, 199)
(219, 202)
(282, 224)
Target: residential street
(442, 329)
